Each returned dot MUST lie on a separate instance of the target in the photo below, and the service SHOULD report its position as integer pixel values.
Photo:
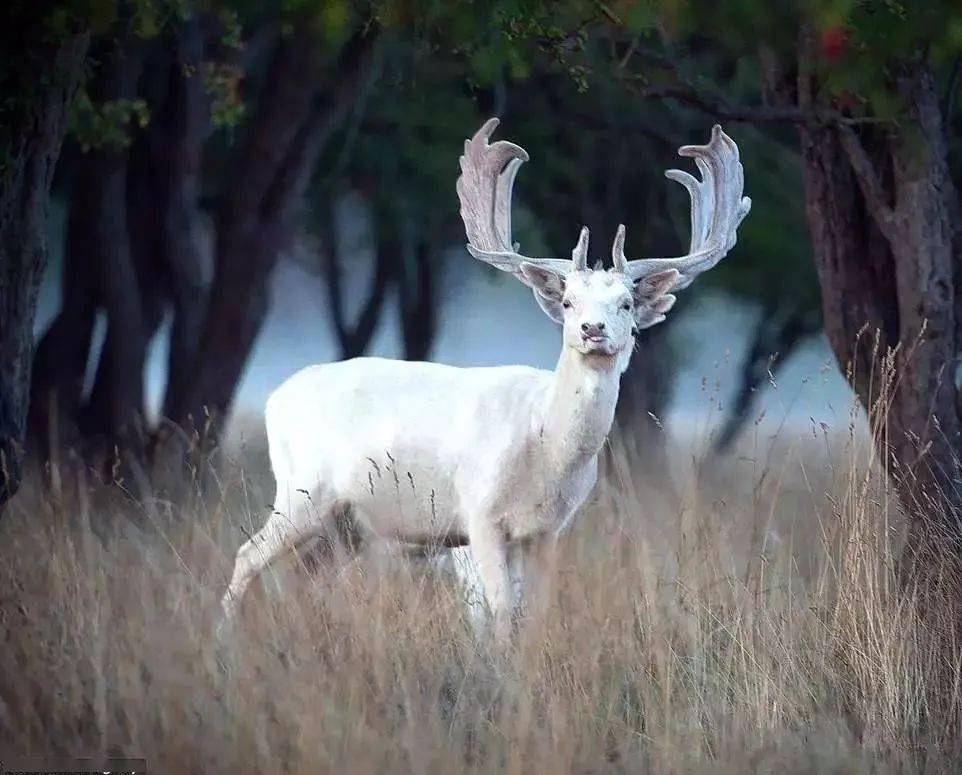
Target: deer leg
(539, 558)
(282, 534)
(490, 552)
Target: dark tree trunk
(274, 164)
(643, 400)
(132, 246)
(60, 362)
(417, 279)
(355, 338)
(189, 269)
(113, 417)
(879, 208)
(927, 400)
(38, 90)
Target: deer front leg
(490, 552)
(539, 562)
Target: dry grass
(761, 629)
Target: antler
(484, 188)
(717, 208)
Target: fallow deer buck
(501, 458)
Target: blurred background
(200, 197)
(244, 189)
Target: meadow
(758, 623)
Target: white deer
(500, 458)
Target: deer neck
(581, 406)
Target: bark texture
(34, 124)
(879, 205)
(283, 141)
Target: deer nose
(593, 329)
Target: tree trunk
(41, 86)
(417, 267)
(642, 403)
(60, 362)
(132, 246)
(927, 401)
(879, 209)
(176, 139)
(275, 162)
(113, 418)
(355, 338)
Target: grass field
(759, 626)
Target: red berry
(834, 41)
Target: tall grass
(760, 626)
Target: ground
(760, 627)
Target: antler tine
(484, 189)
(579, 256)
(618, 251)
(717, 209)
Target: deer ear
(546, 282)
(655, 285)
(548, 287)
(652, 299)
(652, 312)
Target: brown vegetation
(764, 628)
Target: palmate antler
(484, 188)
(717, 209)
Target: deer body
(499, 458)
(502, 468)
(423, 472)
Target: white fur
(430, 454)
(500, 458)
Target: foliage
(853, 48)
(600, 93)
(106, 125)
(222, 82)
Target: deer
(498, 459)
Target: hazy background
(230, 190)
(246, 189)
(486, 319)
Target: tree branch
(868, 182)
(355, 70)
(353, 340)
(721, 109)
(332, 274)
(684, 91)
(951, 91)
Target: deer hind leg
(283, 534)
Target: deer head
(601, 310)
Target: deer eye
(566, 304)
(626, 306)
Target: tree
(773, 270)
(293, 121)
(131, 247)
(353, 338)
(865, 86)
(42, 63)
(134, 245)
